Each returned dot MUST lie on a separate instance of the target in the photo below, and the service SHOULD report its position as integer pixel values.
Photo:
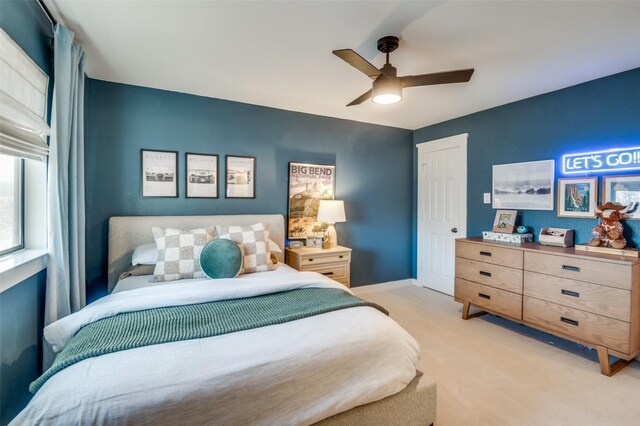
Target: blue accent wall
(373, 170)
(21, 320)
(22, 306)
(599, 114)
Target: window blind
(23, 103)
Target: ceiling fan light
(386, 99)
(386, 91)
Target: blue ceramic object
(221, 259)
(522, 229)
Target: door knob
(454, 230)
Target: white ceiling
(278, 54)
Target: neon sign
(616, 159)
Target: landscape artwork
(623, 190)
(577, 197)
(308, 184)
(524, 186)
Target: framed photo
(505, 221)
(159, 173)
(314, 241)
(623, 189)
(241, 176)
(308, 184)
(202, 175)
(577, 197)
(524, 186)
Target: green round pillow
(221, 259)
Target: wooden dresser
(589, 298)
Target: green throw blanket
(171, 324)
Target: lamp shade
(331, 211)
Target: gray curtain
(65, 184)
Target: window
(11, 204)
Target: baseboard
(387, 283)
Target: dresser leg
(606, 368)
(465, 310)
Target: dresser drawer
(498, 301)
(490, 254)
(595, 298)
(325, 258)
(609, 274)
(509, 279)
(584, 326)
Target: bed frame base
(415, 405)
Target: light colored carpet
(494, 372)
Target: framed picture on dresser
(202, 175)
(159, 173)
(623, 189)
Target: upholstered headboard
(128, 232)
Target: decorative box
(556, 237)
(507, 238)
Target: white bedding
(295, 373)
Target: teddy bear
(608, 233)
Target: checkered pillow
(254, 240)
(179, 253)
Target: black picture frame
(236, 177)
(145, 176)
(188, 179)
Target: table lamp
(331, 211)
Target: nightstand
(335, 262)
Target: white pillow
(145, 254)
(273, 247)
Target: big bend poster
(308, 184)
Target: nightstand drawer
(325, 258)
(498, 301)
(336, 272)
(509, 279)
(585, 326)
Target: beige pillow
(178, 253)
(254, 240)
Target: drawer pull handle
(340, 257)
(570, 293)
(484, 296)
(310, 260)
(569, 321)
(327, 273)
(570, 268)
(485, 253)
(486, 274)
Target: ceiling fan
(387, 86)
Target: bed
(350, 366)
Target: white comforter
(295, 373)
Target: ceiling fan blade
(459, 76)
(358, 62)
(360, 99)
